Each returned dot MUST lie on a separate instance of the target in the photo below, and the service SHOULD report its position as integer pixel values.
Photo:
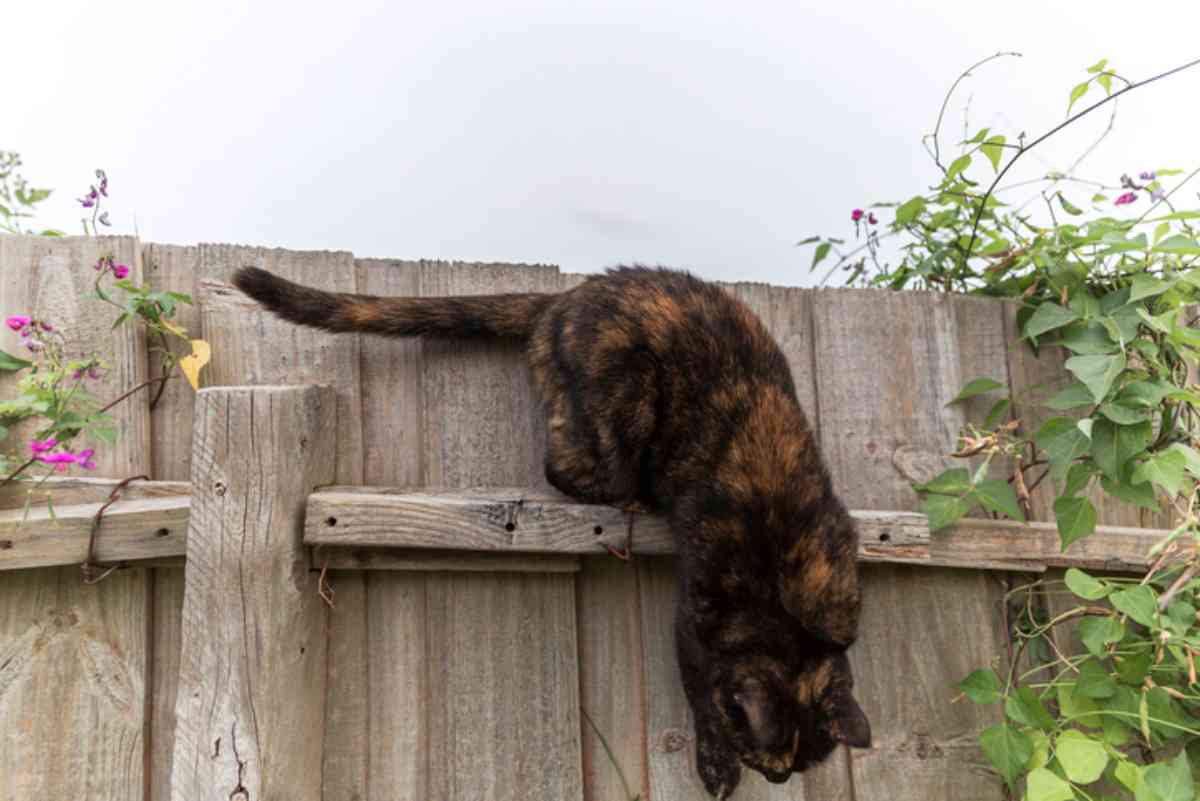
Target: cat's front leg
(716, 762)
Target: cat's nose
(777, 777)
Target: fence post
(251, 703)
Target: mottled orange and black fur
(664, 391)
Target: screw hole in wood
(331, 521)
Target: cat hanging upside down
(664, 392)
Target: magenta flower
(42, 445)
(856, 215)
(84, 459)
(120, 271)
(1125, 199)
(871, 218)
(17, 322)
(62, 457)
(86, 202)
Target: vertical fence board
(73, 673)
(251, 700)
(471, 406)
(887, 364)
(72, 668)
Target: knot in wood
(925, 747)
(219, 487)
(917, 465)
(673, 740)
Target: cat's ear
(755, 703)
(849, 724)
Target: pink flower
(42, 445)
(84, 459)
(62, 457)
(45, 326)
(871, 218)
(17, 322)
(1125, 199)
(120, 271)
(856, 215)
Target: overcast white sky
(707, 135)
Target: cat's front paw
(718, 767)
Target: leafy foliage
(1116, 295)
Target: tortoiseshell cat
(664, 391)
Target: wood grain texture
(166, 633)
(887, 365)
(73, 695)
(419, 397)
(251, 701)
(424, 559)
(72, 490)
(149, 528)
(50, 279)
(174, 268)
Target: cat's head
(781, 719)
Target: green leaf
(11, 363)
(1164, 469)
(977, 387)
(982, 687)
(996, 412)
(1079, 91)
(993, 148)
(1105, 80)
(1047, 317)
(1086, 587)
(1145, 286)
(1098, 66)
(1076, 518)
(1129, 774)
(1178, 244)
(943, 510)
(1067, 206)
(1190, 458)
(1138, 602)
(1098, 632)
(1171, 781)
(1094, 681)
(907, 211)
(1133, 668)
(1114, 445)
(1078, 477)
(957, 166)
(1097, 372)
(1075, 395)
(1124, 415)
(1008, 749)
(1026, 708)
(1062, 441)
(820, 253)
(1082, 758)
(1042, 785)
(997, 495)
(1089, 339)
(955, 481)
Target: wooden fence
(481, 645)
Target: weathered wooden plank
(174, 268)
(141, 529)
(78, 696)
(611, 691)
(251, 702)
(887, 365)
(165, 632)
(51, 279)
(427, 560)
(509, 718)
(74, 490)
(72, 667)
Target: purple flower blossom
(17, 322)
(872, 219)
(95, 373)
(1147, 176)
(1125, 199)
(856, 215)
(103, 182)
(33, 345)
(84, 459)
(45, 326)
(120, 271)
(42, 445)
(86, 202)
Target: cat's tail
(467, 316)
